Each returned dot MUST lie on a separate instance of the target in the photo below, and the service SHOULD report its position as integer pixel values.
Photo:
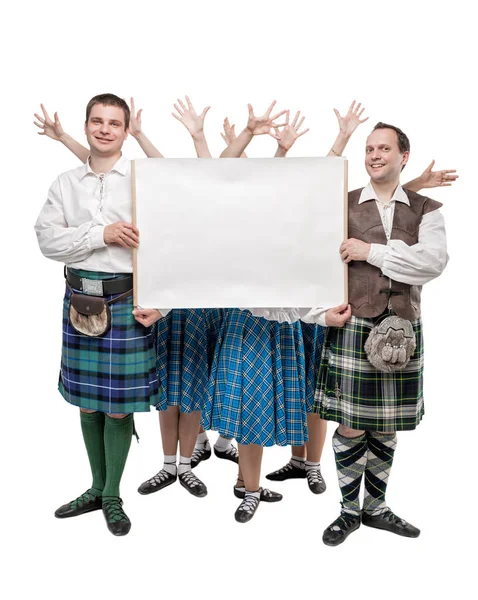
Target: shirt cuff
(314, 315)
(376, 255)
(97, 239)
(164, 311)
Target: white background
(411, 64)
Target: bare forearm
(147, 146)
(415, 185)
(237, 146)
(280, 152)
(339, 145)
(200, 144)
(73, 146)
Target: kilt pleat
(115, 373)
(353, 392)
(182, 359)
(256, 391)
(314, 336)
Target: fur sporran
(390, 344)
(89, 315)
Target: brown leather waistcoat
(369, 289)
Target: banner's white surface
(227, 232)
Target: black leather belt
(99, 287)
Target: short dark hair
(403, 141)
(109, 100)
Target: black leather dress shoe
(116, 519)
(338, 531)
(87, 502)
(288, 471)
(388, 521)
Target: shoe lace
(314, 476)
(393, 518)
(343, 522)
(85, 498)
(232, 451)
(113, 508)
(159, 477)
(249, 504)
(288, 467)
(196, 453)
(190, 479)
(267, 492)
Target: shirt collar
(368, 193)
(121, 166)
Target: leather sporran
(89, 315)
(390, 344)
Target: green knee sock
(118, 433)
(93, 429)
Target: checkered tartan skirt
(256, 390)
(183, 339)
(115, 373)
(314, 336)
(352, 392)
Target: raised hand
(262, 125)
(229, 134)
(193, 122)
(52, 129)
(431, 179)
(135, 120)
(351, 121)
(288, 135)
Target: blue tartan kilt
(182, 358)
(314, 336)
(214, 319)
(256, 391)
(115, 373)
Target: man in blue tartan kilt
(397, 244)
(86, 224)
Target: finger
(276, 125)
(357, 108)
(363, 120)
(276, 137)
(138, 116)
(40, 125)
(131, 227)
(190, 106)
(287, 116)
(294, 122)
(225, 138)
(359, 114)
(232, 130)
(57, 119)
(47, 117)
(226, 122)
(269, 110)
(351, 109)
(178, 109)
(204, 112)
(41, 119)
(337, 114)
(251, 112)
(282, 112)
(445, 171)
(182, 104)
(133, 109)
(176, 117)
(302, 132)
(430, 166)
(300, 123)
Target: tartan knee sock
(380, 451)
(350, 459)
(93, 428)
(118, 434)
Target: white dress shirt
(414, 265)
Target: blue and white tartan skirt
(257, 383)
(314, 336)
(184, 341)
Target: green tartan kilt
(352, 392)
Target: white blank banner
(250, 232)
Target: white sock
(311, 465)
(255, 494)
(201, 440)
(184, 464)
(222, 443)
(170, 464)
(298, 461)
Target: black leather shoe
(338, 531)
(247, 509)
(200, 454)
(193, 485)
(388, 521)
(116, 519)
(157, 482)
(230, 454)
(316, 481)
(266, 495)
(87, 502)
(289, 471)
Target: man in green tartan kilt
(397, 243)
(86, 224)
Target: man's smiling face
(383, 159)
(105, 130)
